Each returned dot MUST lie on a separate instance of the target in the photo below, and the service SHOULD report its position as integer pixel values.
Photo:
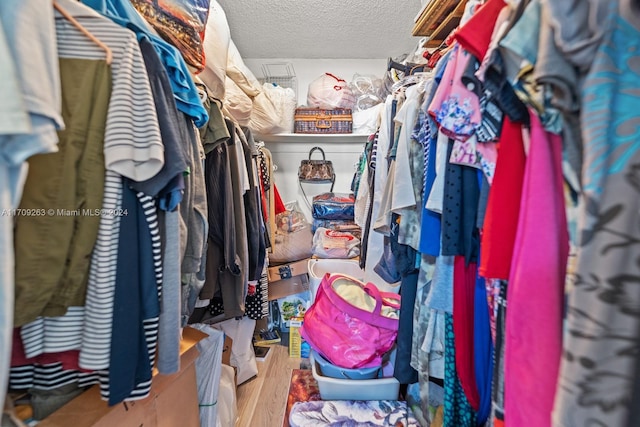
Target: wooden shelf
(438, 19)
(308, 137)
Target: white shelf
(349, 138)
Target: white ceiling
(321, 29)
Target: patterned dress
(603, 324)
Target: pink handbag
(346, 335)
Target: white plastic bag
(329, 92)
(335, 244)
(242, 355)
(264, 117)
(237, 103)
(366, 121)
(208, 373)
(227, 400)
(284, 100)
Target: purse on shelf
(316, 171)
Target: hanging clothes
(135, 301)
(503, 206)
(375, 243)
(29, 118)
(603, 317)
(457, 410)
(482, 350)
(455, 108)
(123, 136)
(221, 248)
(186, 95)
(68, 182)
(536, 285)
(464, 281)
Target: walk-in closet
(280, 213)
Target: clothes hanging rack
(84, 31)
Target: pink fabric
(346, 335)
(464, 286)
(488, 152)
(465, 153)
(533, 340)
(454, 107)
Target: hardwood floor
(262, 400)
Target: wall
(288, 152)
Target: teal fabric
(457, 410)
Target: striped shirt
(51, 376)
(132, 147)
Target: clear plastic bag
(293, 236)
(335, 244)
(368, 91)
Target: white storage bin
(319, 267)
(338, 389)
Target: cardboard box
(287, 271)
(173, 400)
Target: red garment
(279, 204)
(475, 35)
(503, 206)
(264, 204)
(69, 359)
(464, 286)
(533, 330)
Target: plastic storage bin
(319, 267)
(330, 370)
(339, 389)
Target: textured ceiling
(321, 29)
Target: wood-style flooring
(262, 400)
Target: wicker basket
(316, 120)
